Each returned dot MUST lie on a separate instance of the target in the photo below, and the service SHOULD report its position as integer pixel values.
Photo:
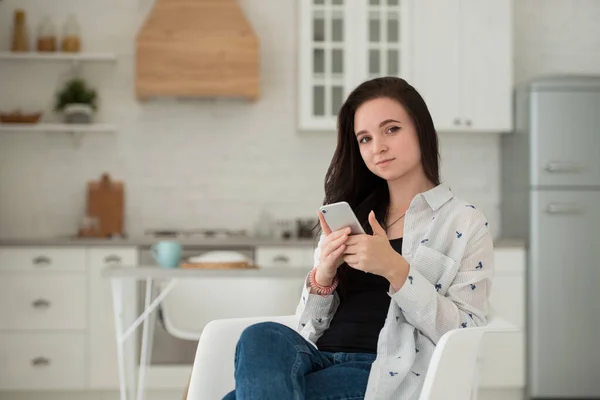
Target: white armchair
(451, 373)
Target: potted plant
(76, 101)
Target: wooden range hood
(197, 48)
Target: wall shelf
(57, 56)
(65, 128)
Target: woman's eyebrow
(382, 123)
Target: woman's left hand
(374, 254)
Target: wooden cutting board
(106, 201)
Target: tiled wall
(218, 163)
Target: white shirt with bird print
(450, 251)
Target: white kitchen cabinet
(43, 302)
(56, 317)
(456, 53)
(463, 63)
(41, 360)
(343, 43)
(42, 259)
(502, 356)
(102, 345)
(286, 257)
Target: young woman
(375, 305)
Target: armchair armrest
(212, 373)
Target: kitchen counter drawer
(294, 257)
(42, 259)
(41, 301)
(42, 361)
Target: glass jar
(71, 40)
(46, 40)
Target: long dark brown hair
(348, 178)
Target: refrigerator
(550, 197)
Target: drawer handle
(42, 260)
(556, 208)
(112, 259)
(40, 362)
(557, 166)
(281, 258)
(40, 303)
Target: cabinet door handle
(40, 303)
(112, 259)
(563, 208)
(40, 362)
(42, 261)
(561, 166)
(281, 258)
(456, 121)
(468, 122)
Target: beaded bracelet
(324, 291)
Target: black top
(364, 303)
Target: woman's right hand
(332, 251)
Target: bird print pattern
(459, 237)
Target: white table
(152, 274)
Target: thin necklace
(387, 227)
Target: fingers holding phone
(332, 251)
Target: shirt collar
(437, 196)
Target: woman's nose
(379, 146)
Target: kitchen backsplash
(219, 163)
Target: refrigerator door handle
(563, 208)
(563, 166)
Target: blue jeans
(273, 362)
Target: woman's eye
(393, 129)
(364, 139)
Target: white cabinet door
(42, 361)
(102, 343)
(42, 301)
(502, 355)
(383, 39)
(486, 65)
(436, 60)
(343, 43)
(463, 63)
(324, 80)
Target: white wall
(217, 163)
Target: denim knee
(261, 331)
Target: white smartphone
(339, 216)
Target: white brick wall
(217, 163)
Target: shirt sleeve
(314, 311)
(465, 303)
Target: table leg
(117, 289)
(147, 338)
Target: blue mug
(167, 254)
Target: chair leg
(187, 389)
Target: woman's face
(387, 138)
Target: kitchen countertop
(142, 272)
(145, 241)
